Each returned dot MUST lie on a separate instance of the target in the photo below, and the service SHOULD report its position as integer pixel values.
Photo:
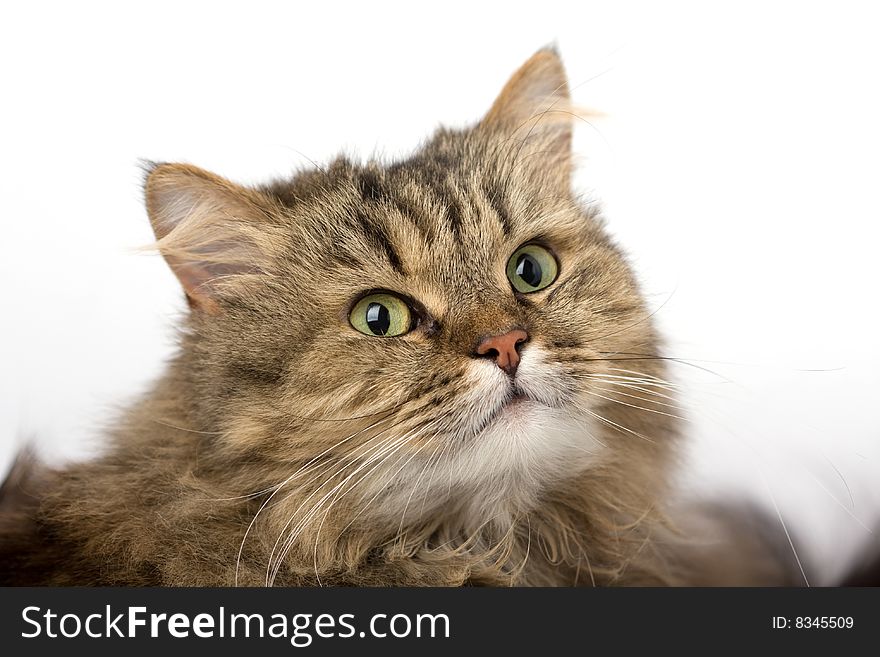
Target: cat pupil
(378, 318)
(528, 269)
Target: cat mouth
(515, 400)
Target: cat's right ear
(210, 230)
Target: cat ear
(535, 108)
(209, 230)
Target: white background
(737, 162)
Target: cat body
(380, 383)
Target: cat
(436, 371)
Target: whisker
(378, 447)
(174, 426)
(616, 425)
(336, 498)
(446, 445)
(784, 528)
(644, 399)
(640, 374)
(385, 450)
(427, 466)
(301, 525)
(369, 502)
(640, 357)
(285, 482)
(641, 408)
(852, 501)
(840, 504)
(631, 386)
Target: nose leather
(503, 349)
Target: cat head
(441, 326)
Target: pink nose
(503, 349)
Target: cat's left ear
(534, 109)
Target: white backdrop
(737, 162)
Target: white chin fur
(527, 447)
(536, 441)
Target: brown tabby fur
(277, 419)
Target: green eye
(531, 268)
(381, 314)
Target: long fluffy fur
(283, 447)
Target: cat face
(443, 323)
